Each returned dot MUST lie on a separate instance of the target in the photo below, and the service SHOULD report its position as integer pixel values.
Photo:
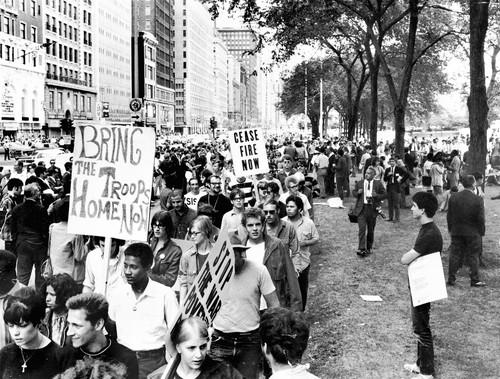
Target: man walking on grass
(429, 240)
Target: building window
(59, 101)
(23, 56)
(60, 28)
(90, 59)
(70, 32)
(23, 106)
(82, 103)
(6, 25)
(88, 19)
(33, 108)
(64, 7)
(51, 99)
(22, 30)
(75, 100)
(33, 33)
(23, 5)
(65, 31)
(89, 104)
(33, 8)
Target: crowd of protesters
(76, 320)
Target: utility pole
(321, 102)
(305, 95)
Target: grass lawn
(351, 338)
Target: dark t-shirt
(114, 354)
(41, 363)
(429, 239)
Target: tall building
(21, 68)
(221, 76)
(155, 17)
(70, 91)
(239, 43)
(234, 86)
(194, 69)
(113, 79)
(270, 86)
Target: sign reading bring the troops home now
(111, 181)
(248, 149)
(203, 298)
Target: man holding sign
(429, 240)
(236, 336)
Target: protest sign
(426, 279)
(203, 298)
(248, 149)
(111, 181)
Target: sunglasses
(269, 212)
(158, 226)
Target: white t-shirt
(191, 199)
(241, 300)
(256, 252)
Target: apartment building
(22, 62)
(70, 86)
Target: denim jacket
(166, 262)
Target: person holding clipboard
(429, 240)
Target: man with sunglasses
(276, 227)
(273, 193)
(220, 203)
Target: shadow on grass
(351, 338)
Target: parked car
(44, 155)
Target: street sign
(135, 105)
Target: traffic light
(213, 123)
(66, 125)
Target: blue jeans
(241, 350)
(425, 347)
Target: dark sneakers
(363, 253)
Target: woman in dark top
(32, 355)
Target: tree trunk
(374, 102)
(314, 125)
(477, 101)
(399, 128)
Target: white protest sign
(248, 149)
(426, 277)
(111, 181)
(203, 298)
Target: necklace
(24, 366)
(93, 355)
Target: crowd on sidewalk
(74, 319)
